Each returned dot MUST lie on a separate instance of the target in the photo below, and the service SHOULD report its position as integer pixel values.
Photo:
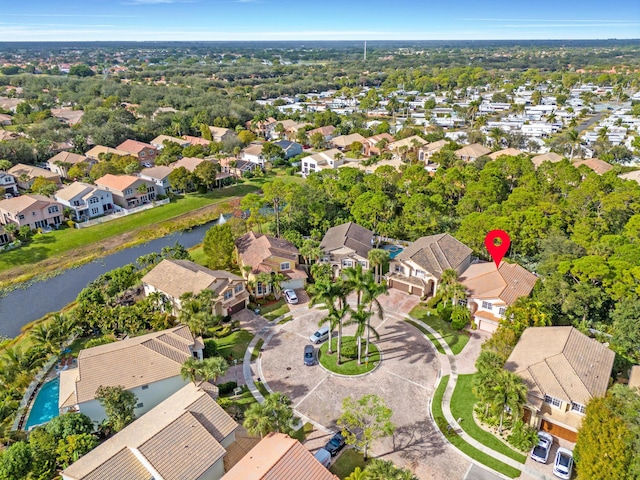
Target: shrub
(71, 223)
(227, 387)
(210, 348)
(433, 301)
(444, 310)
(460, 316)
(349, 350)
(292, 171)
(522, 436)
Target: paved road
(591, 121)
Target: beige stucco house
(471, 153)
(417, 269)
(347, 245)
(63, 161)
(149, 366)
(174, 278)
(491, 290)
(185, 437)
(128, 191)
(266, 254)
(35, 211)
(563, 369)
(25, 175)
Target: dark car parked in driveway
(309, 355)
(334, 445)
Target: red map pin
(497, 251)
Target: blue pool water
(45, 406)
(394, 250)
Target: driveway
(405, 380)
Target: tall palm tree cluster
(332, 294)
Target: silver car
(540, 452)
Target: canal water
(24, 305)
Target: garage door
(293, 284)
(236, 308)
(399, 286)
(486, 325)
(558, 431)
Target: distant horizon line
(338, 40)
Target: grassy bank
(455, 339)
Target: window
(555, 402)
(95, 211)
(140, 405)
(501, 311)
(285, 266)
(363, 263)
(347, 263)
(238, 288)
(487, 305)
(420, 273)
(142, 154)
(21, 217)
(462, 302)
(93, 200)
(259, 288)
(128, 191)
(145, 387)
(577, 407)
(228, 294)
(399, 268)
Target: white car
(147, 165)
(290, 296)
(563, 465)
(540, 452)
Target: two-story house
(63, 161)
(34, 211)
(563, 369)
(158, 142)
(185, 437)
(220, 134)
(491, 290)
(159, 175)
(253, 154)
(148, 365)
(128, 191)
(374, 145)
(86, 201)
(8, 182)
(471, 153)
(317, 162)
(144, 152)
(266, 254)
(327, 132)
(290, 149)
(95, 152)
(25, 175)
(347, 245)
(343, 142)
(418, 268)
(174, 278)
(429, 150)
(400, 147)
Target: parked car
(290, 296)
(309, 355)
(323, 457)
(563, 465)
(540, 452)
(335, 444)
(320, 335)
(147, 165)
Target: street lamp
(235, 364)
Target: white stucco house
(86, 201)
(149, 366)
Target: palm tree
(211, 368)
(334, 319)
(360, 318)
(273, 415)
(572, 139)
(510, 393)
(449, 288)
(276, 283)
(332, 294)
(386, 470)
(378, 258)
(355, 281)
(357, 474)
(370, 298)
(189, 369)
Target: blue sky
(90, 20)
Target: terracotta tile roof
(344, 141)
(407, 142)
(599, 166)
(635, 176)
(279, 457)
(160, 139)
(98, 149)
(257, 250)
(474, 150)
(436, 253)
(190, 163)
(434, 146)
(32, 172)
(130, 363)
(177, 277)
(322, 158)
(508, 283)
(116, 182)
(180, 439)
(508, 152)
(374, 139)
(350, 235)
(563, 363)
(67, 157)
(197, 140)
(26, 202)
(75, 189)
(325, 131)
(134, 146)
(158, 172)
(546, 157)
(253, 149)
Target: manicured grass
(347, 463)
(456, 340)
(234, 345)
(348, 366)
(256, 350)
(262, 389)
(198, 256)
(433, 340)
(462, 404)
(78, 344)
(61, 241)
(459, 443)
(274, 310)
(303, 432)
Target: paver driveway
(405, 379)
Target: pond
(24, 305)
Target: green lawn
(61, 241)
(256, 350)
(197, 253)
(435, 343)
(456, 340)
(347, 463)
(463, 446)
(348, 366)
(234, 345)
(274, 310)
(302, 433)
(462, 404)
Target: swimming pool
(394, 250)
(45, 406)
